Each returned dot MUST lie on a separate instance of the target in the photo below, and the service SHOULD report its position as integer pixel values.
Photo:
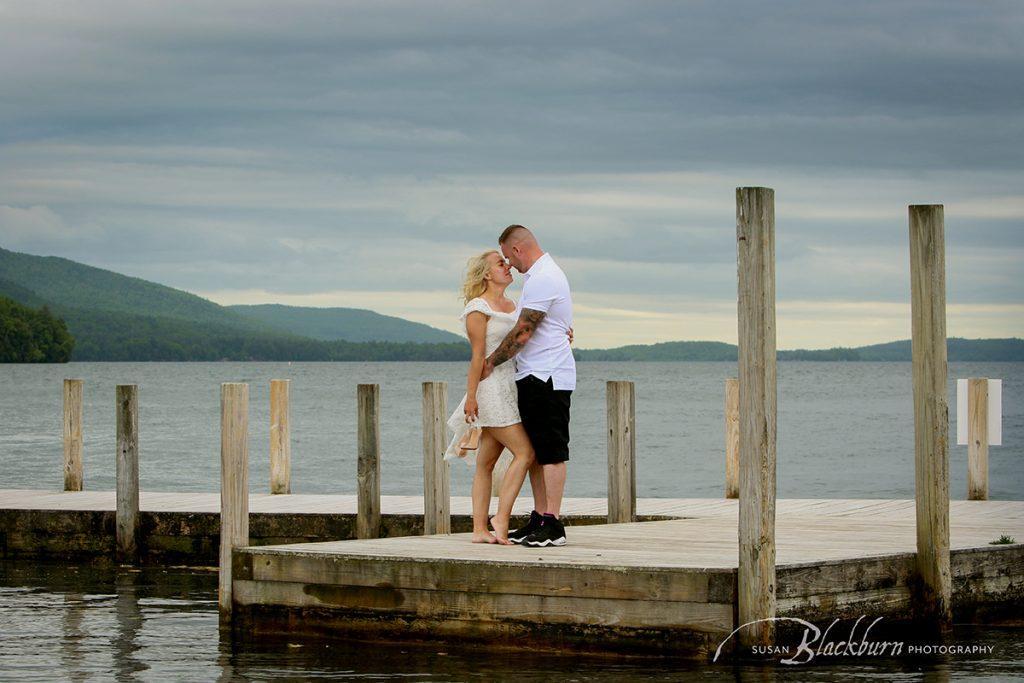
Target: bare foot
(500, 531)
(484, 537)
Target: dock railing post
(127, 522)
(436, 505)
(234, 483)
(977, 438)
(621, 404)
(280, 437)
(755, 246)
(931, 412)
(732, 438)
(368, 461)
(73, 435)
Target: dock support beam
(732, 438)
(234, 483)
(931, 412)
(621, 404)
(437, 517)
(977, 438)
(73, 435)
(127, 522)
(755, 247)
(280, 437)
(368, 461)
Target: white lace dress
(496, 396)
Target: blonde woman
(490, 403)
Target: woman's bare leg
(515, 439)
(486, 455)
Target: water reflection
(128, 616)
(162, 624)
(71, 654)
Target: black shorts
(545, 414)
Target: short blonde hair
(475, 284)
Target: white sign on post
(995, 412)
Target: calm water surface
(64, 623)
(844, 429)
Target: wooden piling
(931, 412)
(732, 438)
(234, 482)
(436, 504)
(368, 461)
(977, 438)
(756, 581)
(280, 437)
(127, 518)
(621, 405)
(73, 477)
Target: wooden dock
(184, 528)
(665, 586)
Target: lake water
(844, 429)
(66, 623)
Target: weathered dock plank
(662, 586)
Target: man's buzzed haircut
(513, 231)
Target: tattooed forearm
(518, 336)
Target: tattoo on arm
(517, 337)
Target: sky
(358, 153)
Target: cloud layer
(357, 154)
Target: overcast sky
(357, 153)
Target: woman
(491, 404)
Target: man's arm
(515, 340)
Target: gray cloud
(315, 147)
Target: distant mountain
(70, 284)
(958, 350)
(113, 317)
(665, 351)
(350, 324)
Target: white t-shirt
(548, 354)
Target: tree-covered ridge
(350, 324)
(76, 285)
(31, 336)
(122, 337)
(958, 350)
(665, 351)
(112, 317)
(106, 335)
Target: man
(545, 378)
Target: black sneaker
(517, 535)
(551, 532)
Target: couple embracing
(521, 377)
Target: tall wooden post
(234, 482)
(977, 438)
(368, 461)
(755, 246)
(436, 505)
(73, 435)
(732, 438)
(931, 411)
(280, 437)
(127, 406)
(621, 404)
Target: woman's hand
(471, 409)
(570, 335)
